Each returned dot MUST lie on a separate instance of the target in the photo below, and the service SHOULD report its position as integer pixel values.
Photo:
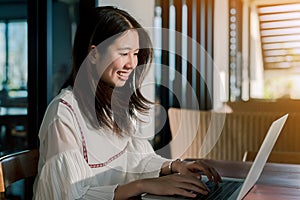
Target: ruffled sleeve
(67, 176)
(63, 172)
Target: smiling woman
(89, 145)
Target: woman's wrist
(174, 166)
(169, 168)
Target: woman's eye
(127, 53)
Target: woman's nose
(132, 61)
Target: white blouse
(80, 162)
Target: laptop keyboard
(222, 191)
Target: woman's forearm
(136, 188)
(129, 190)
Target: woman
(89, 148)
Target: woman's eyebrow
(128, 48)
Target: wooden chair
(275, 157)
(17, 166)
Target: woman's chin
(120, 83)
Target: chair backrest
(276, 157)
(17, 166)
(189, 128)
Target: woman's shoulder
(56, 112)
(61, 103)
(65, 95)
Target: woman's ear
(93, 53)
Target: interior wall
(143, 11)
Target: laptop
(232, 188)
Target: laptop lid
(262, 156)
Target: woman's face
(120, 59)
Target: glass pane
(2, 54)
(17, 43)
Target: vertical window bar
(198, 53)
(172, 50)
(184, 53)
(157, 45)
(165, 53)
(203, 52)
(239, 72)
(209, 56)
(177, 84)
(195, 50)
(203, 37)
(6, 57)
(164, 135)
(190, 68)
(2, 55)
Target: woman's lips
(123, 75)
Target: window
(280, 33)
(13, 59)
(264, 50)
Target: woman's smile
(124, 75)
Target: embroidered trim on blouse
(84, 144)
(109, 160)
(82, 137)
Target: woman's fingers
(216, 175)
(190, 183)
(202, 189)
(175, 184)
(189, 193)
(209, 171)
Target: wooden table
(277, 181)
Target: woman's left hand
(196, 168)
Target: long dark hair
(103, 105)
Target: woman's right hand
(174, 184)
